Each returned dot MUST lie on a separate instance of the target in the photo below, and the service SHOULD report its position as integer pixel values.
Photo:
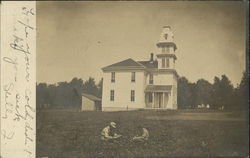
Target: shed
(90, 102)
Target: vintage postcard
(124, 79)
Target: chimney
(151, 57)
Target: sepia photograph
(146, 79)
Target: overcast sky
(77, 39)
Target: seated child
(144, 135)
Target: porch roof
(158, 88)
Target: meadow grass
(181, 133)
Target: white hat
(113, 124)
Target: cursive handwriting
(17, 109)
(27, 107)
(28, 129)
(14, 63)
(7, 103)
(7, 136)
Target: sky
(77, 39)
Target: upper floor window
(151, 79)
(112, 76)
(167, 62)
(165, 50)
(133, 77)
(166, 36)
(132, 97)
(112, 95)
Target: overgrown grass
(69, 134)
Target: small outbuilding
(91, 103)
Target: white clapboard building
(151, 84)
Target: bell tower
(166, 49)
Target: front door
(158, 100)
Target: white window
(112, 76)
(167, 62)
(112, 95)
(133, 77)
(132, 97)
(151, 79)
(165, 49)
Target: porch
(157, 97)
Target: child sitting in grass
(108, 132)
(143, 136)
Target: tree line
(220, 93)
(66, 94)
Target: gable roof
(91, 97)
(125, 64)
(149, 64)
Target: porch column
(168, 100)
(163, 100)
(153, 99)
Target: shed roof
(91, 97)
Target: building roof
(91, 97)
(132, 64)
(125, 64)
(158, 88)
(149, 64)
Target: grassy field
(182, 133)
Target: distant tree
(215, 96)
(241, 93)
(222, 93)
(99, 86)
(42, 95)
(63, 95)
(227, 92)
(52, 94)
(76, 86)
(193, 95)
(203, 91)
(185, 95)
(90, 87)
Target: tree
(90, 87)
(215, 96)
(66, 94)
(222, 93)
(76, 86)
(203, 92)
(42, 95)
(186, 94)
(226, 92)
(99, 86)
(241, 92)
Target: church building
(152, 84)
